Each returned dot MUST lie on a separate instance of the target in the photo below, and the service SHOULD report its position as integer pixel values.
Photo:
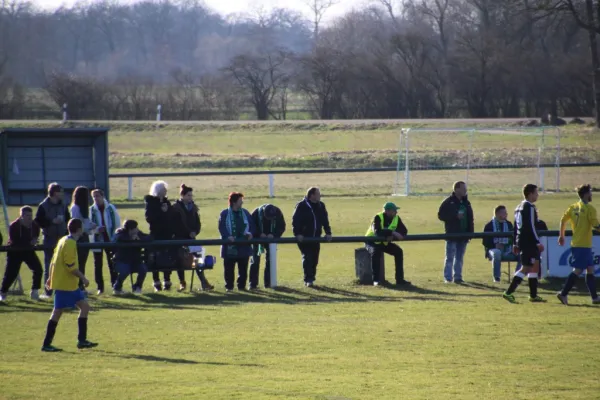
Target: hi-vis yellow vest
(392, 226)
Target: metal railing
(289, 240)
(272, 173)
(272, 243)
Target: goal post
(489, 160)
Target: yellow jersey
(583, 219)
(64, 262)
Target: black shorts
(529, 256)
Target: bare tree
(262, 77)
(587, 16)
(318, 9)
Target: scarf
(262, 247)
(496, 226)
(232, 228)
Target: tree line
(393, 59)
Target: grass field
(335, 145)
(500, 181)
(338, 341)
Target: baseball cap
(390, 206)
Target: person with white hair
(158, 213)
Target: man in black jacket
(129, 259)
(270, 223)
(309, 220)
(457, 214)
(52, 216)
(499, 249)
(389, 225)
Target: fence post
(271, 185)
(129, 188)
(64, 113)
(273, 262)
(158, 114)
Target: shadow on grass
(484, 286)
(209, 301)
(143, 357)
(556, 284)
(25, 305)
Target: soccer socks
(82, 322)
(570, 283)
(533, 284)
(590, 281)
(517, 279)
(50, 331)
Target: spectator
(270, 223)
(499, 249)
(107, 221)
(129, 260)
(158, 216)
(80, 209)
(310, 218)
(389, 225)
(457, 214)
(235, 223)
(188, 226)
(52, 216)
(24, 232)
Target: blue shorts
(67, 298)
(582, 257)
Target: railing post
(273, 262)
(129, 188)
(271, 185)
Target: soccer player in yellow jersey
(64, 280)
(583, 219)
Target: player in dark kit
(527, 245)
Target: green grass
(353, 144)
(499, 181)
(341, 341)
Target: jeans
(124, 270)
(455, 252)
(48, 253)
(497, 257)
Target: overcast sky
(243, 6)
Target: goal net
(489, 160)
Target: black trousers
(14, 259)
(242, 264)
(310, 259)
(156, 277)
(391, 249)
(82, 257)
(98, 275)
(255, 267)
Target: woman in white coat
(80, 209)
(107, 220)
